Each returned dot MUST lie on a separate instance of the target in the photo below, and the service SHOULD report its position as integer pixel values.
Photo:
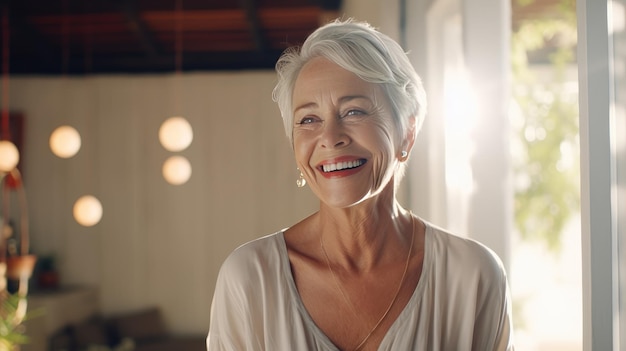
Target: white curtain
(460, 173)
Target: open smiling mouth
(342, 166)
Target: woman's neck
(365, 235)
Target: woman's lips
(341, 167)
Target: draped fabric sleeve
(504, 336)
(233, 325)
(466, 302)
(493, 324)
(256, 305)
(504, 339)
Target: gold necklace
(395, 297)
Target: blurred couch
(142, 330)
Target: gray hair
(364, 51)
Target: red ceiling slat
(197, 20)
(113, 32)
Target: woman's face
(343, 134)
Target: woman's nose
(334, 135)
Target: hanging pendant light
(65, 141)
(175, 134)
(9, 156)
(177, 170)
(87, 210)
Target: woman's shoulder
(463, 253)
(258, 254)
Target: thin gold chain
(395, 297)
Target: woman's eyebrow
(355, 97)
(304, 106)
(342, 99)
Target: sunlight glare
(617, 14)
(460, 112)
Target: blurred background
(497, 159)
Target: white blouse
(461, 302)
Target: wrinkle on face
(328, 96)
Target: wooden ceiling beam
(200, 61)
(250, 9)
(329, 5)
(144, 35)
(125, 36)
(330, 10)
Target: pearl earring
(301, 182)
(404, 154)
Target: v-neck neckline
(296, 299)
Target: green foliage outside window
(546, 143)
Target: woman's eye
(353, 113)
(306, 120)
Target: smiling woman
(341, 120)
(362, 272)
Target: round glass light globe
(65, 141)
(9, 156)
(175, 134)
(176, 170)
(87, 210)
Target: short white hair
(371, 55)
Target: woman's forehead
(321, 77)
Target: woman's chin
(344, 198)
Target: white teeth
(342, 165)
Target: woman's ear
(409, 140)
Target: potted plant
(20, 263)
(12, 313)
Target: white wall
(381, 14)
(157, 244)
